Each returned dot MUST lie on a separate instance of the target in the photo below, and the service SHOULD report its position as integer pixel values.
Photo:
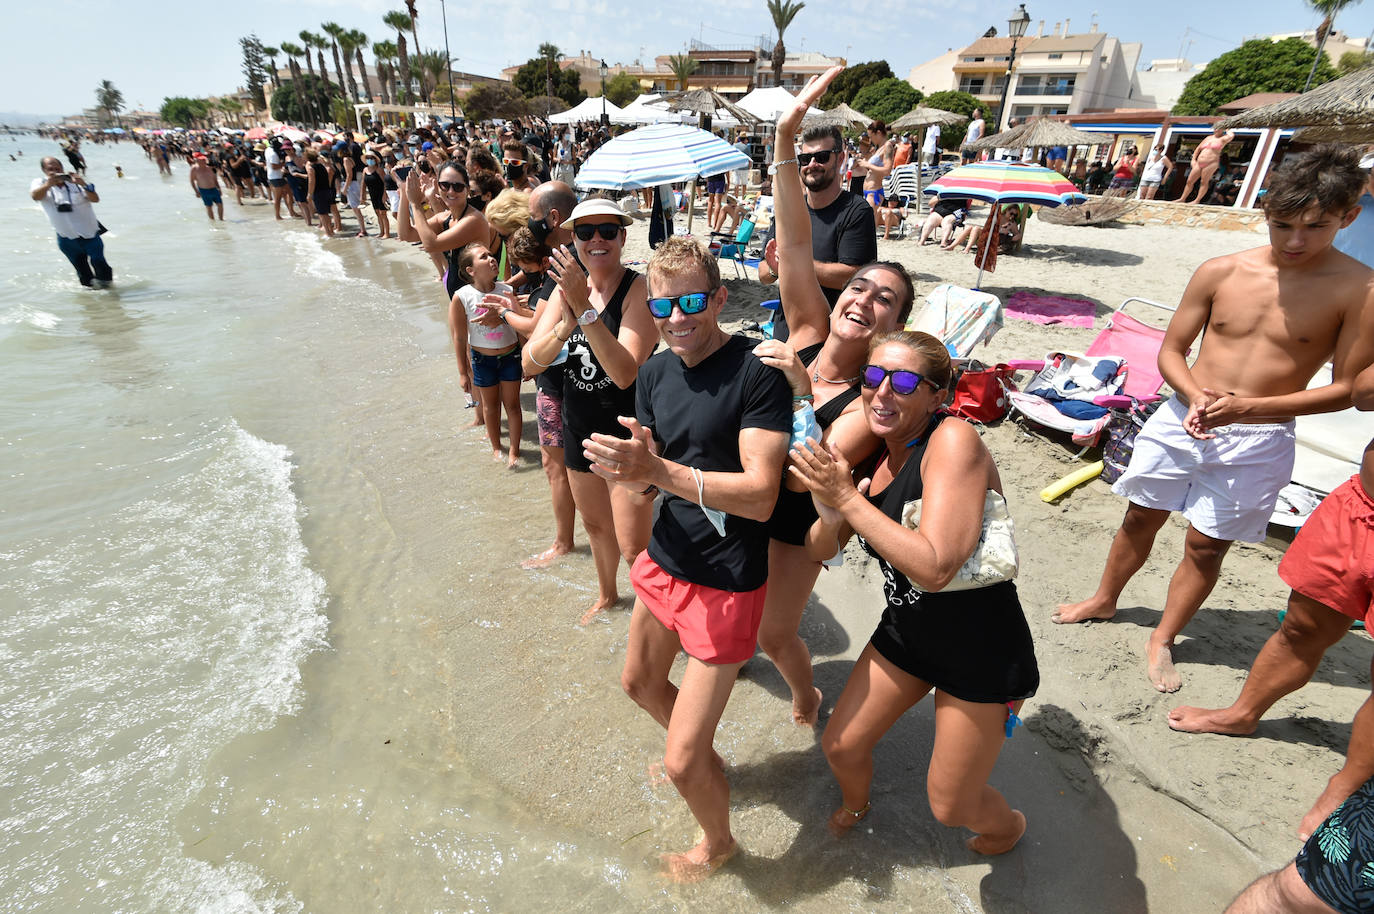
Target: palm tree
(430, 66)
(271, 54)
(346, 49)
(359, 40)
(550, 54)
(231, 109)
(334, 30)
(109, 99)
(1328, 9)
(682, 66)
(319, 43)
(385, 52)
(401, 22)
(308, 39)
(414, 16)
(783, 12)
(292, 51)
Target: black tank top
(591, 400)
(322, 185)
(452, 278)
(907, 485)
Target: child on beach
(488, 349)
(1223, 446)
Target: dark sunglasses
(456, 187)
(820, 156)
(691, 303)
(607, 230)
(903, 382)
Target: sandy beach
(1125, 814)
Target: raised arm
(803, 302)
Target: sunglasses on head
(903, 382)
(820, 157)
(607, 230)
(691, 303)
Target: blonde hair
(932, 353)
(509, 211)
(679, 255)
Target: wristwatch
(590, 316)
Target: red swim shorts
(1332, 557)
(714, 626)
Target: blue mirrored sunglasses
(691, 303)
(903, 382)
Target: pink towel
(1048, 309)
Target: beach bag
(1121, 430)
(980, 393)
(994, 559)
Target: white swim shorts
(1226, 486)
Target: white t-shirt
(975, 131)
(274, 169)
(1154, 167)
(80, 222)
(932, 139)
(480, 334)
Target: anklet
(858, 813)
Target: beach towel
(958, 317)
(1050, 309)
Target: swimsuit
(1331, 560)
(210, 195)
(971, 644)
(1337, 862)
(323, 197)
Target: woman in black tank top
(599, 313)
(452, 224)
(829, 348)
(971, 646)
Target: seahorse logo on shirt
(581, 352)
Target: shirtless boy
(710, 433)
(1220, 450)
(205, 182)
(1206, 161)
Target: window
(1046, 84)
(1056, 57)
(973, 85)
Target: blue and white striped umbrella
(659, 154)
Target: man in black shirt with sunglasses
(844, 235)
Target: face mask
(715, 516)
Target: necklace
(816, 377)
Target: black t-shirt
(696, 415)
(843, 232)
(948, 206)
(550, 380)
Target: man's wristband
(773, 169)
(652, 488)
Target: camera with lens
(64, 207)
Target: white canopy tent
(589, 109)
(768, 104)
(647, 109)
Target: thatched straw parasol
(1339, 103)
(1040, 131)
(705, 103)
(841, 116)
(1355, 134)
(1097, 211)
(924, 116)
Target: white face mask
(714, 515)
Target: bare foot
(1159, 666)
(546, 558)
(498, 455)
(1090, 608)
(1209, 720)
(843, 819)
(477, 421)
(513, 461)
(697, 863)
(807, 716)
(600, 606)
(993, 845)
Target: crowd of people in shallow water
(765, 458)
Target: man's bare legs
(1202, 177)
(690, 715)
(876, 695)
(1193, 580)
(1284, 665)
(615, 528)
(790, 579)
(560, 493)
(1280, 892)
(1130, 548)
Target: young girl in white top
(488, 350)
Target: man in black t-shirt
(844, 235)
(710, 433)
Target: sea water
(219, 656)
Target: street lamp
(452, 110)
(605, 118)
(1016, 28)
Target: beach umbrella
(919, 118)
(1037, 132)
(255, 134)
(1354, 134)
(1341, 102)
(708, 103)
(290, 133)
(658, 154)
(999, 183)
(842, 116)
(324, 135)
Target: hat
(597, 206)
(200, 155)
(427, 146)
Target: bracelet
(809, 398)
(651, 488)
(535, 359)
(773, 169)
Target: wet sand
(1124, 814)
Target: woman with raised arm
(599, 313)
(932, 514)
(446, 222)
(821, 360)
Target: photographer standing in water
(67, 200)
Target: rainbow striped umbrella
(658, 154)
(1007, 182)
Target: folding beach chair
(901, 185)
(734, 251)
(958, 317)
(1075, 392)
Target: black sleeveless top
(591, 400)
(972, 644)
(794, 512)
(452, 278)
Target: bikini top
(831, 409)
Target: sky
(150, 50)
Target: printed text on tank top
(583, 371)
